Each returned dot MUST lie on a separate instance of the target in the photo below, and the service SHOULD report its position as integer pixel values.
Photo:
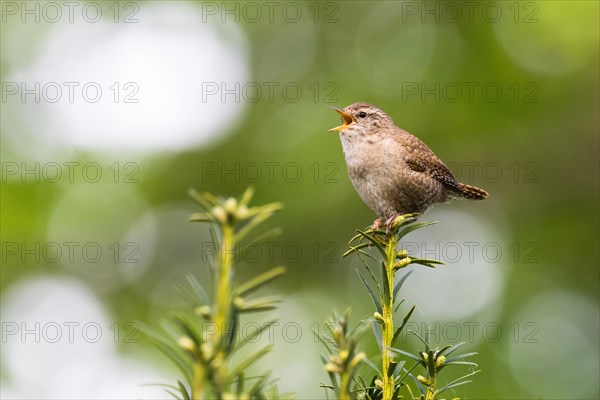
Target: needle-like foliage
(378, 249)
(201, 344)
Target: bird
(393, 171)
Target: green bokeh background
(544, 143)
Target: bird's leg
(380, 223)
(377, 224)
(388, 223)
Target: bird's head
(362, 118)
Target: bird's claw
(377, 224)
(387, 224)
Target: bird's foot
(388, 223)
(377, 224)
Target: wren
(393, 171)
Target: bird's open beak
(346, 119)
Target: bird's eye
(362, 114)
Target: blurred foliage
(202, 346)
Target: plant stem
(431, 392)
(388, 318)
(223, 302)
(344, 386)
(431, 395)
(197, 380)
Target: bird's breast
(364, 154)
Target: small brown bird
(392, 170)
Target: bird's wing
(435, 168)
(420, 158)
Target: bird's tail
(471, 192)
